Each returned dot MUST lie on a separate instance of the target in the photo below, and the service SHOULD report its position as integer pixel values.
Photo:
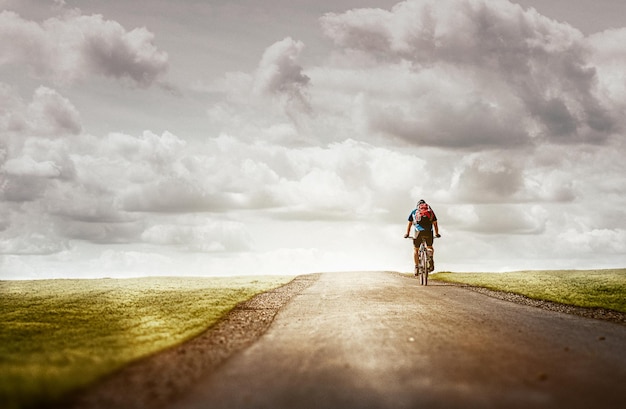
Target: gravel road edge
(597, 313)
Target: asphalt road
(379, 340)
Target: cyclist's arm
(408, 229)
(436, 226)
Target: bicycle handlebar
(436, 236)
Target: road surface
(379, 340)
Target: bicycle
(423, 267)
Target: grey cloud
(272, 103)
(81, 203)
(557, 117)
(33, 166)
(174, 195)
(563, 193)
(52, 114)
(215, 236)
(34, 154)
(511, 177)
(116, 53)
(278, 70)
(501, 219)
(609, 57)
(279, 74)
(506, 53)
(22, 188)
(28, 231)
(486, 181)
(32, 244)
(509, 220)
(361, 29)
(28, 167)
(465, 126)
(48, 114)
(72, 47)
(100, 232)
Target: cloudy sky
(219, 137)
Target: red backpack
(424, 211)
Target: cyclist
(424, 219)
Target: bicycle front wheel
(423, 266)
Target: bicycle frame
(423, 267)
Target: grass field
(57, 335)
(583, 288)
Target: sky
(214, 138)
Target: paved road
(379, 340)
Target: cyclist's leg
(416, 256)
(431, 251)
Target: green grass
(583, 288)
(58, 335)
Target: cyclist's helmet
(422, 201)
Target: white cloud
(29, 232)
(31, 166)
(598, 241)
(509, 123)
(27, 166)
(109, 190)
